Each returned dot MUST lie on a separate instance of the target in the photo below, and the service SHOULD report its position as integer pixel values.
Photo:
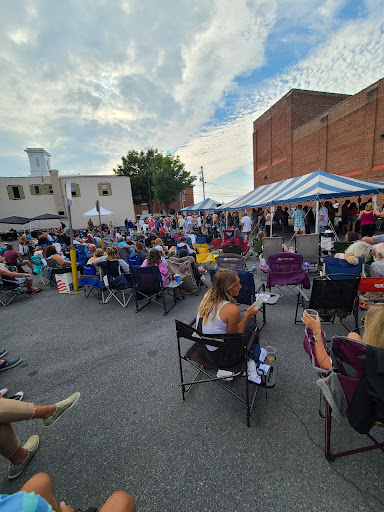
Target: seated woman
(355, 251)
(51, 255)
(97, 254)
(182, 244)
(218, 313)
(159, 242)
(351, 236)
(373, 334)
(112, 254)
(154, 259)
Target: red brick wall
(189, 201)
(306, 131)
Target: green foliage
(165, 175)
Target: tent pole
(272, 211)
(317, 217)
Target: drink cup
(271, 353)
(177, 278)
(312, 313)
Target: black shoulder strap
(199, 326)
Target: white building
(44, 192)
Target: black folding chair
(148, 287)
(9, 289)
(196, 360)
(332, 298)
(115, 282)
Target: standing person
(268, 222)
(298, 220)
(307, 220)
(352, 216)
(246, 224)
(180, 222)
(91, 227)
(215, 219)
(367, 217)
(190, 221)
(323, 218)
(344, 216)
(262, 221)
(284, 221)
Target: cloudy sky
(89, 80)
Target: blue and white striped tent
(207, 204)
(316, 186)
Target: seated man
(182, 244)
(19, 278)
(90, 251)
(13, 258)
(140, 251)
(377, 267)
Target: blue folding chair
(336, 266)
(201, 240)
(90, 280)
(134, 260)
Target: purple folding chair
(286, 269)
(352, 388)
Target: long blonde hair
(374, 326)
(112, 253)
(223, 281)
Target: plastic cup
(312, 313)
(271, 353)
(177, 278)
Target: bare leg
(41, 484)
(120, 501)
(44, 411)
(354, 336)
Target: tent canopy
(316, 186)
(207, 204)
(95, 213)
(46, 216)
(14, 220)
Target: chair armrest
(260, 287)
(252, 340)
(304, 296)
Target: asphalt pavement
(131, 430)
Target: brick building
(308, 130)
(185, 199)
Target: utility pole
(202, 180)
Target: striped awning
(309, 187)
(207, 204)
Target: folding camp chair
(148, 287)
(217, 243)
(332, 298)
(286, 269)
(272, 245)
(340, 246)
(232, 248)
(184, 267)
(115, 282)
(371, 291)
(91, 281)
(308, 246)
(203, 254)
(231, 260)
(9, 289)
(197, 361)
(201, 240)
(134, 260)
(258, 246)
(333, 266)
(38, 270)
(351, 389)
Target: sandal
(37, 290)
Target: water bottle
(254, 268)
(306, 265)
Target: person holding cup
(373, 334)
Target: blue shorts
(23, 501)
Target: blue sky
(89, 80)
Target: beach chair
(352, 389)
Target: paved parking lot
(132, 431)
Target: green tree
(154, 176)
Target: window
(61, 212)
(105, 189)
(50, 189)
(37, 190)
(37, 160)
(75, 190)
(15, 192)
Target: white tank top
(214, 325)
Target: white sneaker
(3, 391)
